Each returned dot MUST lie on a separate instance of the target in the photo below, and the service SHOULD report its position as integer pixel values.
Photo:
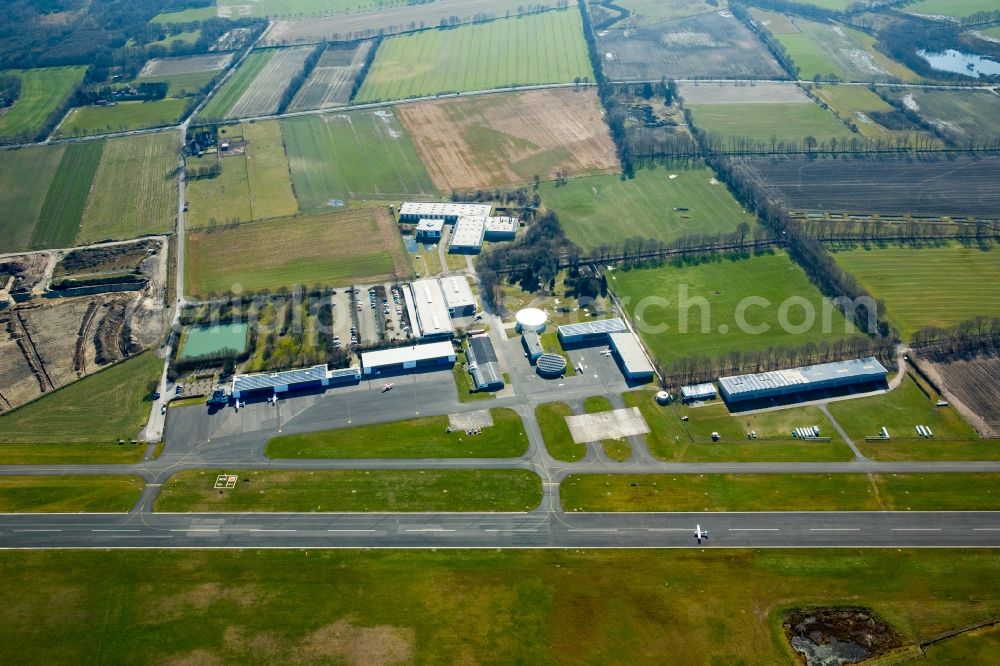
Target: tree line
(300, 78)
(975, 337)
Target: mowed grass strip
(60, 217)
(934, 286)
(534, 49)
(417, 438)
(267, 168)
(352, 156)
(559, 442)
(232, 90)
(109, 405)
(780, 492)
(662, 203)
(514, 606)
(43, 90)
(135, 188)
(762, 122)
(702, 309)
(122, 117)
(675, 440)
(334, 248)
(354, 490)
(25, 177)
(70, 454)
(69, 494)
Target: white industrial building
(458, 296)
(448, 212)
(400, 359)
(430, 230)
(631, 357)
(432, 317)
(318, 376)
(468, 235)
(500, 228)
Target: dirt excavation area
(67, 313)
(508, 139)
(834, 636)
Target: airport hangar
(267, 383)
(627, 351)
(779, 383)
(483, 364)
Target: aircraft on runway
(387, 387)
(699, 534)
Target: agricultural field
(671, 331)
(43, 91)
(106, 406)
(707, 46)
(192, 15)
(742, 92)
(263, 95)
(122, 117)
(933, 286)
(59, 220)
(390, 20)
(165, 67)
(356, 156)
(185, 37)
(135, 188)
(516, 606)
(953, 9)
(299, 8)
(333, 249)
(237, 85)
(663, 203)
(22, 198)
(964, 116)
(971, 384)
(541, 48)
(497, 140)
(954, 185)
(332, 80)
(780, 123)
(653, 12)
(867, 111)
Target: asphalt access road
(501, 530)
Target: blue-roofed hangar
(798, 381)
(318, 376)
(590, 331)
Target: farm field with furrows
(106, 406)
(239, 81)
(59, 220)
(663, 203)
(43, 91)
(508, 139)
(956, 185)
(541, 48)
(22, 198)
(135, 188)
(263, 95)
(299, 8)
(712, 331)
(388, 21)
(352, 156)
(652, 12)
(870, 114)
(963, 116)
(952, 8)
(185, 65)
(973, 383)
(330, 83)
(122, 117)
(183, 85)
(764, 124)
(704, 46)
(934, 286)
(331, 249)
(742, 92)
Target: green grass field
(953, 8)
(675, 440)
(135, 188)
(535, 49)
(185, 37)
(70, 454)
(719, 318)
(271, 192)
(963, 114)
(42, 92)
(418, 438)
(935, 286)
(25, 177)
(762, 122)
(109, 405)
(62, 211)
(652, 12)
(856, 103)
(122, 117)
(353, 156)
(780, 492)
(482, 606)
(354, 490)
(591, 209)
(333, 249)
(558, 440)
(182, 85)
(230, 92)
(192, 15)
(69, 494)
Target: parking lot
(381, 313)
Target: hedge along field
(42, 92)
(936, 286)
(535, 49)
(591, 209)
(135, 188)
(724, 283)
(25, 177)
(353, 156)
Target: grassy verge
(417, 438)
(781, 492)
(70, 454)
(69, 494)
(597, 403)
(354, 490)
(463, 381)
(558, 440)
(516, 606)
(618, 450)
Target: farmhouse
(447, 212)
(432, 317)
(590, 331)
(431, 355)
(840, 374)
(483, 365)
(631, 357)
(318, 376)
(429, 230)
(458, 296)
(468, 235)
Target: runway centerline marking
(834, 529)
(916, 529)
(261, 529)
(115, 530)
(754, 529)
(430, 529)
(38, 530)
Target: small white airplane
(273, 399)
(605, 352)
(387, 387)
(700, 534)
